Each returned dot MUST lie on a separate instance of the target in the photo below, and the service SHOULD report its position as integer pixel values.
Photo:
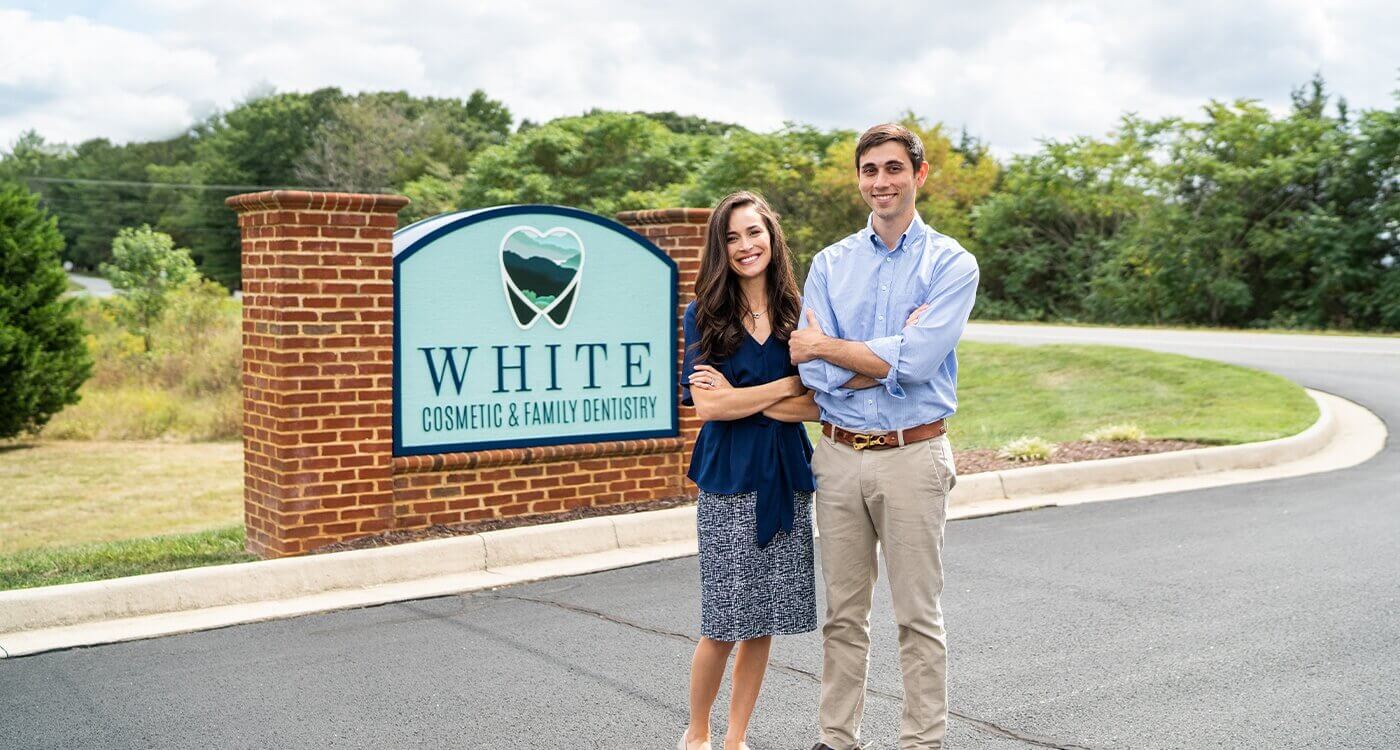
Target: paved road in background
(100, 287)
(1255, 616)
(93, 285)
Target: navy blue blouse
(755, 453)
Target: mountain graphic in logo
(541, 273)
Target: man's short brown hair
(891, 131)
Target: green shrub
(186, 387)
(1116, 433)
(118, 355)
(137, 413)
(42, 358)
(1028, 449)
(198, 342)
(146, 267)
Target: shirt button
(887, 260)
(883, 287)
(870, 401)
(882, 317)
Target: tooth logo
(540, 272)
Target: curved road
(1252, 616)
(93, 285)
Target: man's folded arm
(860, 382)
(854, 357)
(915, 353)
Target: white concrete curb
(509, 550)
(43, 619)
(1010, 484)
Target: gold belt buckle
(860, 441)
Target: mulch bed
(440, 531)
(968, 462)
(972, 462)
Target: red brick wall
(681, 233)
(317, 369)
(457, 487)
(317, 366)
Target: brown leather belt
(876, 441)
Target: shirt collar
(916, 231)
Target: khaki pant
(897, 498)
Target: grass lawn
(55, 492)
(1060, 392)
(76, 510)
(102, 560)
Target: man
(884, 309)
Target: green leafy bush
(1116, 433)
(1028, 449)
(185, 388)
(146, 266)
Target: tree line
(1238, 216)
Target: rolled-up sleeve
(818, 374)
(888, 348)
(915, 353)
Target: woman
(752, 460)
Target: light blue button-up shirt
(862, 290)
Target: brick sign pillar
(680, 232)
(317, 367)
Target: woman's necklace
(753, 320)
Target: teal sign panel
(530, 325)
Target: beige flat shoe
(680, 744)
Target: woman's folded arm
(794, 409)
(728, 403)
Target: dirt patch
(968, 462)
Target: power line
(188, 185)
(70, 211)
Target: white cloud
(74, 79)
(1011, 72)
(1045, 74)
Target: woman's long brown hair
(720, 306)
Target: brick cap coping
(534, 455)
(665, 216)
(272, 200)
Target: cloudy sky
(1011, 72)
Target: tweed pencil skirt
(747, 591)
